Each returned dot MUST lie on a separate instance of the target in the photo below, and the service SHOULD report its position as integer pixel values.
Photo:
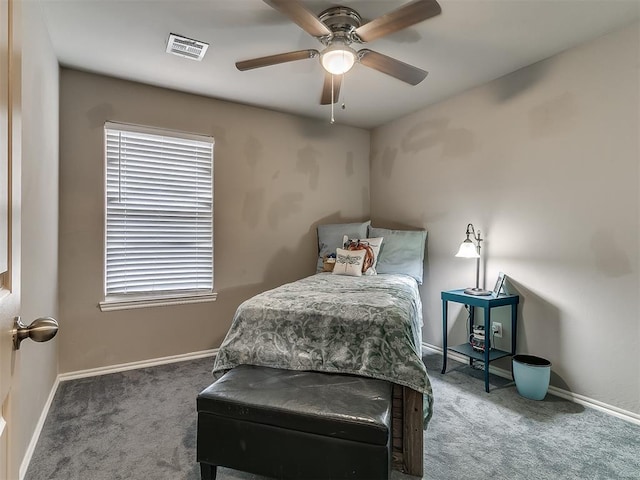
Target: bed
(366, 325)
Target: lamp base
(477, 291)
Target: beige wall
(38, 365)
(276, 177)
(545, 162)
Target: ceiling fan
(337, 28)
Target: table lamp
(469, 250)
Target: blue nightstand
(487, 303)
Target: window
(159, 217)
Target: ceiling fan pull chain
(333, 120)
(343, 106)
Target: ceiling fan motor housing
(342, 21)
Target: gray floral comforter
(369, 326)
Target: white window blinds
(159, 212)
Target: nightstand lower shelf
(467, 350)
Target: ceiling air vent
(186, 47)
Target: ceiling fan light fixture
(338, 58)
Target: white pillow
(349, 262)
(374, 243)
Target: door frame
(10, 215)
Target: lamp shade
(467, 250)
(338, 58)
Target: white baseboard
(123, 367)
(626, 415)
(598, 405)
(36, 433)
(94, 372)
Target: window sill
(128, 303)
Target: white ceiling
(470, 43)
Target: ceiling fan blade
(400, 70)
(403, 17)
(275, 59)
(326, 89)
(299, 14)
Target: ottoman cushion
(341, 406)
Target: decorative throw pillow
(349, 262)
(372, 245)
(330, 238)
(402, 251)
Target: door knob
(41, 330)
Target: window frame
(125, 301)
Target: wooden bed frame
(407, 431)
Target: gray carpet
(141, 424)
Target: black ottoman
(295, 425)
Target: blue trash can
(532, 375)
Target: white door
(10, 155)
